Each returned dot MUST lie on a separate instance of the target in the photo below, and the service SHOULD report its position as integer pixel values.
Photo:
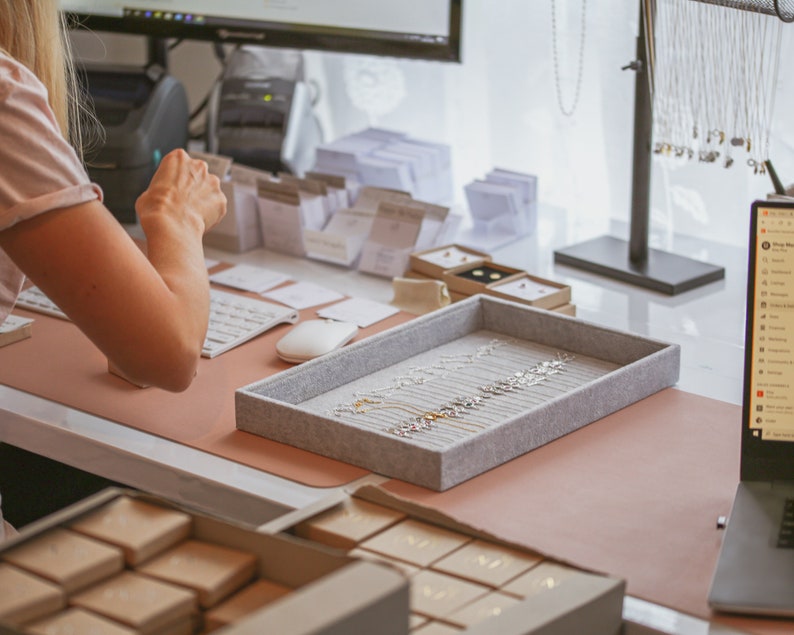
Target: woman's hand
(183, 188)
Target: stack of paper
(391, 160)
(504, 201)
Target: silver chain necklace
(568, 111)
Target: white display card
(281, 218)
(249, 278)
(342, 239)
(392, 239)
(359, 311)
(450, 257)
(526, 289)
(303, 295)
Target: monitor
(420, 29)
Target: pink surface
(60, 364)
(635, 495)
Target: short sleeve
(40, 170)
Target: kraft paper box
(470, 279)
(531, 290)
(528, 592)
(434, 262)
(358, 404)
(329, 592)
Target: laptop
(755, 568)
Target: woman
(147, 313)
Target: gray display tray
(343, 405)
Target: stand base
(662, 271)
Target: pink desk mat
(635, 495)
(59, 363)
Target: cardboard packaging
(67, 558)
(317, 406)
(139, 528)
(468, 581)
(434, 262)
(473, 279)
(26, 597)
(531, 290)
(299, 587)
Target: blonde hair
(34, 33)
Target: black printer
(261, 112)
(145, 115)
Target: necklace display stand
(633, 261)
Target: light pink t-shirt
(39, 170)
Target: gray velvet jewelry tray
(347, 405)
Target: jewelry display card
(280, 218)
(284, 213)
(434, 262)
(249, 278)
(392, 238)
(342, 239)
(458, 391)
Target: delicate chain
(418, 375)
(557, 82)
(452, 412)
(460, 405)
(715, 76)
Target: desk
(706, 322)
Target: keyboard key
(234, 319)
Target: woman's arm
(147, 313)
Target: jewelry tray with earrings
(456, 392)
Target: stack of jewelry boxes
(123, 563)
(458, 391)
(462, 581)
(467, 272)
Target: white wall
(499, 108)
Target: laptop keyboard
(785, 537)
(234, 319)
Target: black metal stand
(634, 262)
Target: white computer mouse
(312, 338)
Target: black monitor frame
(283, 35)
(762, 460)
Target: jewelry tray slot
(385, 403)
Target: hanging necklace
(568, 111)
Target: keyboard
(234, 319)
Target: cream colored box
(212, 571)
(249, 599)
(141, 529)
(139, 602)
(329, 592)
(483, 568)
(434, 262)
(490, 606)
(26, 596)
(437, 595)
(77, 621)
(68, 559)
(415, 542)
(348, 524)
(484, 562)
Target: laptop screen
(768, 430)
